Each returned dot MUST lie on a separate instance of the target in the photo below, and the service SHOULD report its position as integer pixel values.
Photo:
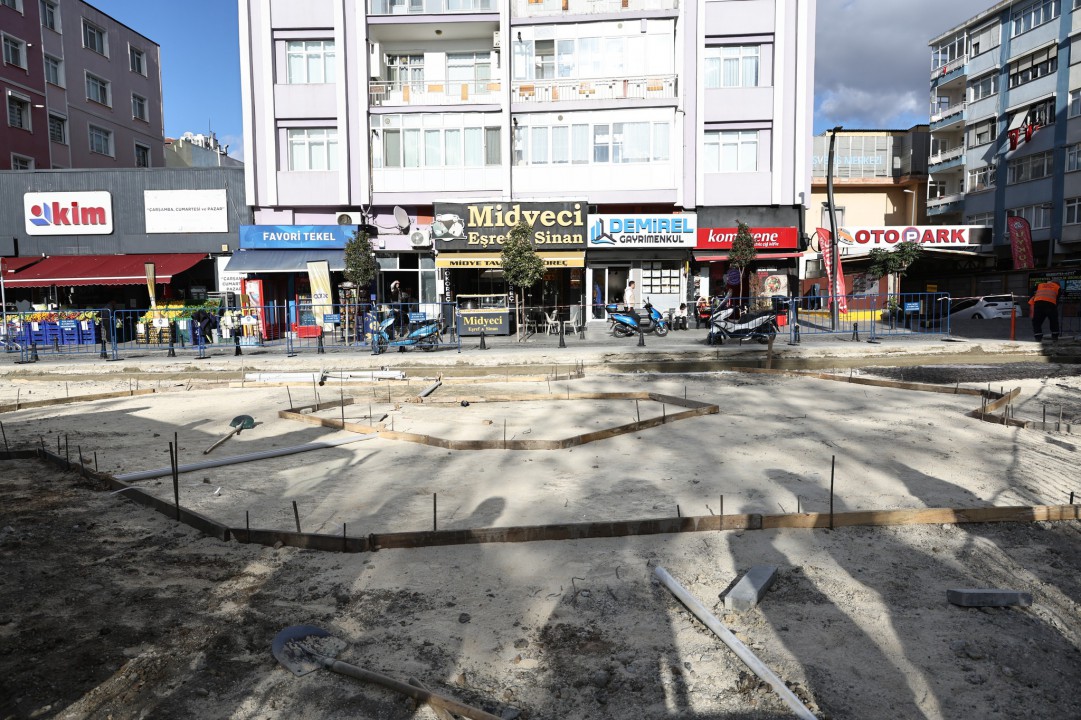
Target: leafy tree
(743, 251)
(360, 265)
(522, 266)
(893, 263)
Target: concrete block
(988, 598)
(746, 593)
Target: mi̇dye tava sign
(68, 213)
(484, 226)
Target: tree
(743, 251)
(360, 265)
(893, 263)
(522, 267)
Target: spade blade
(302, 648)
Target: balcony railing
(547, 8)
(433, 93)
(947, 156)
(566, 89)
(430, 7)
(949, 68)
(953, 112)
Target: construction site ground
(112, 610)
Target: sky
(872, 68)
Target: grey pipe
(431, 389)
(749, 658)
(236, 459)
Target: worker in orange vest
(1044, 305)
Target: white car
(985, 308)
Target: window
(982, 132)
(473, 69)
(101, 141)
(21, 162)
(983, 39)
(660, 278)
(1073, 156)
(839, 213)
(1038, 216)
(138, 108)
(14, 52)
(58, 129)
(313, 149)
(94, 38)
(1072, 212)
(405, 70)
(1031, 67)
(1042, 114)
(18, 111)
(1030, 167)
(310, 62)
(404, 144)
(50, 15)
(950, 50)
(137, 60)
(1033, 15)
(981, 178)
(984, 219)
(1075, 102)
(142, 156)
(13, 4)
(983, 88)
(97, 90)
(731, 151)
(54, 70)
(732, 66)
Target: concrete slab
(988, 598)
(750, 589)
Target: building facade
(197, 150)
(1006, 127)
(630, 134)
(82, 90)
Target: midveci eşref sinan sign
(485, 225)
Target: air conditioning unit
(421, 238)
(495, 40)
(349, 218)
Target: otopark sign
(861, 240)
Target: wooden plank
(306, 541)
(924, 516)
(76, 399)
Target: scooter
(628, 323)
(755, 326)
(426, 336)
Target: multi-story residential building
(1006, 125)
(632, 135)
(82, 90)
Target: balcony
(659, 87)
(390, 94)
(946, 204)
(951, 71)
(948, 117)
(550, 8)
(430, 7)
(948, 160)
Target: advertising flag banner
(826, 242)
(1020, 242)
(319, 278)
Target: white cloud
(868, 109)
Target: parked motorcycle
(426, 336)
(723, 324)
(629, 322)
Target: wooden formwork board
(12, 407)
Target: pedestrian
(679, 322)
(702, 312)
(1044, 306)
(630, 296)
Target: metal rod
(95, 461)
(435, 511)
(637, 411)
(289, 395)
(833, 466)
(176, 481)
(678, 513)
(247, 527)
(296, 515)
(5, 436)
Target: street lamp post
(834, 285)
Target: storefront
(773, 272)
(652, 250)
(468, 240)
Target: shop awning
(72, 270)
(494, 260)
(710, 256)
(266, 261)
(15, 264)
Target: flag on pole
(826, 242)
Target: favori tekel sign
(781, 238)
(484, 226)
(68, 213)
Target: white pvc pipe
(235, 459)
(749, 658)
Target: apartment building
(82, 90)
(1006, 126)
(632, 135)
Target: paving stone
(988, 597)
(751, 587)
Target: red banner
(1020, 242)
(825, 240)
(782, 238)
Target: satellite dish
(402, 218)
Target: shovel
(240, 422)
(303, 649)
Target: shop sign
(1068, 280)
(228, 281)
(782, 238)
(494, 261)
(861, 240)
(295, 237)
(475, 322)
(484, 226)
(68, 213)
(642, 231)
(185, 211)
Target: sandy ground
(114, 611)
